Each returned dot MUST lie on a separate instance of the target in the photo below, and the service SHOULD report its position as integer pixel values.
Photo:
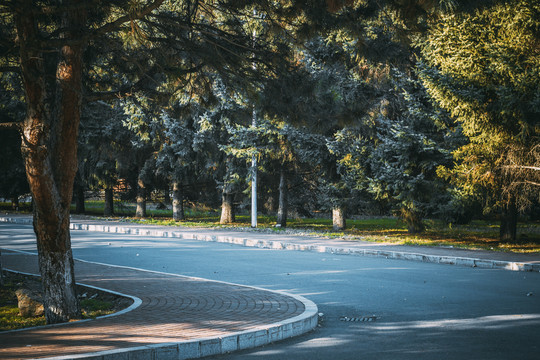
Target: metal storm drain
(358, 319)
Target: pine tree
(482, 66)
(73, 50)
(414, 138)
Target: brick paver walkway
(174, 308)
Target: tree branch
(536, 168)
(525, 182)
(108, 95)
(12, 125)
(13, 69)
(127, 18)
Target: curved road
(399, 309)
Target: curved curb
(136, 301)
(202, 347)
(208, 346)
(280, 245)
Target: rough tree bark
(227, 208)
(178, 201)
(52, 79)
(15, 203)
(283, 198)
(108, 209)
(508, 227)
(413, 219)
(140, 212)
(338, 218)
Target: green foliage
(413, 138)
(479, 234)
(11, 320)
(93, 308)
(482, 66)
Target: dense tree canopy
(483, 67)
(360, 104)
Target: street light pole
(254, 156)
(254, 179)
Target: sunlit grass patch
(478, 234)
(92, 308)
(98, 304)
(11, 320)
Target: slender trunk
(227, 208)
(1, 270)
(108, 209)
(508, 228)
(178, 202)
(413, 219)
(338, 218)
(283, 199)
(166, 196)
(53, 88)
(15, 203)
(79, 196)
(141, 199)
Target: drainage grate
(358, 319)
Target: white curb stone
(279, 245)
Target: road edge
(208, 346)
(280, 245)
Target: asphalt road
(417, 310)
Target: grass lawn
(479, 234)
(94, 303)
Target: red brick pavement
(174, 308)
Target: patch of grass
(92, 308)
(24, 207)
(9, 312)
(479, 234)
(476, 235)
(11, 320)
(96, 303)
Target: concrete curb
(202, 347)
(136, 302)
(279, 245)
(194, 349)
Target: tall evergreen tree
(482, 66)
(73, 50)
(414, 138)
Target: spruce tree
(482, 66)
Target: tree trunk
(283, 199)
(227, 208)
(508, 229)
(108, 209)
(1, 270)
(141, 199)
(338, 218)
(15, 203)
(166, 196)
(79, 196)
(178, 202)
(413, 219)
(52, 82)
